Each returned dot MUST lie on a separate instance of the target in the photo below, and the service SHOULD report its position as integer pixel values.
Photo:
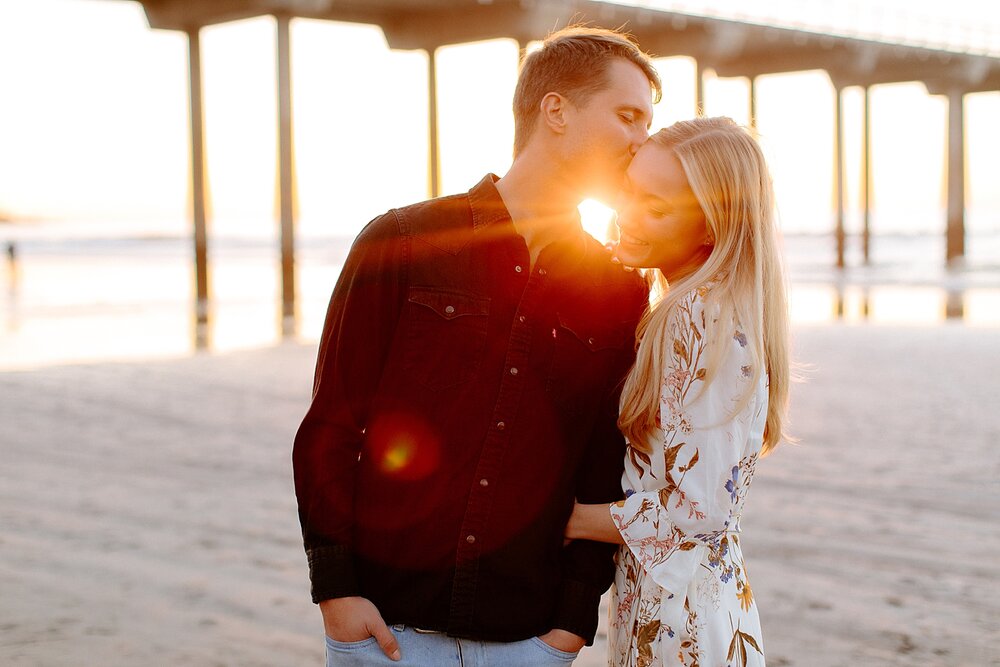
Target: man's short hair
(572, 62)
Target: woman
(705, 398)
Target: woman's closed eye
(657, 207)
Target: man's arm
(588, 567)
(360, 323)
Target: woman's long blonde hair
(726, 170)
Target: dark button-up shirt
(462, 399)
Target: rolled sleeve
(577, 609)
(331, 571)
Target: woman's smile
(625, 237)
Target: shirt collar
(489, 210)
(487, 205)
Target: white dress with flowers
(681, 594)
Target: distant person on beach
(704, 400)
(467, 388)
(12, 264)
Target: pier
(728, 47)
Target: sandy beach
(148, 514)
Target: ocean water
(113, 298)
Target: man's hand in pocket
(355, 619)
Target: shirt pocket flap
(450, 305)
(594, 336)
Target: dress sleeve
(703, 430)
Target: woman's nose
(624, 222)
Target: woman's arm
(593, 522)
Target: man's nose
(637, 141)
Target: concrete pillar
(198, 189)
(838, 176)
(954, 306)
(866, 178)
(434, 158)
(956, 179)
(286, 177)
(699, 89)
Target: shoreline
(135, 299)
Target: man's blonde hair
(572, 62)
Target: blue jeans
(435, 649)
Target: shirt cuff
(577, 609)
(331, 571)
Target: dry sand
(147, 514)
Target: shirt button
(590, 340)
(542, 272)
(518, 268)
(522, 319)
(484, 482)
(513, 371)
(449, 309)
(471, 539)
(501, 426)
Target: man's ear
(553, 112)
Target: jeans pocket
(336, 645)
(562, 656)
(350, 654)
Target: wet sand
(148, 515)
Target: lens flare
(403, 446)
(398, 456)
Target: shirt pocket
(445, 336)
(583, 358)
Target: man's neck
(542, 208)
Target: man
(467, 388)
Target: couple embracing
(508, 418)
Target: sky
(94, 120)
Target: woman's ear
(553, 112)
(709, 236)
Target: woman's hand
(592, 522)
(564, 640)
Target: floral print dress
(681, 594)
